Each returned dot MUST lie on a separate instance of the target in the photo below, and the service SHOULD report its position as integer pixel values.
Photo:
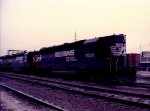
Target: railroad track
(45, 103)
(142, 85)
(136, 99)
(95, 87)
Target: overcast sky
(33, 24)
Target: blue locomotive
(102, 58)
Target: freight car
(101, 58)
(133, 60)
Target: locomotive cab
(123, 73)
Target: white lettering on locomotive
(19, 58)
(64, 53)
(71, 59)
(90, 55)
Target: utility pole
(0, 26)
(0, 44)
(75, 37)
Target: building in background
(145, 60)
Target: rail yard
(94, 75)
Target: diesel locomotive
(102, 58)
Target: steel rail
(86, 86)
(45, 103)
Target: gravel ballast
(67, 100)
